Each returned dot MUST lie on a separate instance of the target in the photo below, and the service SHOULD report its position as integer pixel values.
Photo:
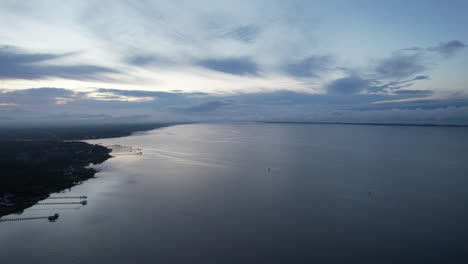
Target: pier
(56, 203)
(69, 197)
(119, 150)
(51, 218)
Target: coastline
(365, 124)
(33, 167)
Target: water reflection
(119, 150)
(8, 206)
(333, 194)
(51, 218)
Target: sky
(172, 61)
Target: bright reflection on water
(202, 193)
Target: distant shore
(365, 124)
(75, 132)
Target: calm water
(202, 193)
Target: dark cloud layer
(344, 91)
(15, 64)
(11, 56)
(42, 105)
(348, 85)
(41, 96)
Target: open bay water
(263, 193)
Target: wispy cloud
(247, 33)
(17, 64)
(446, 49)
(401, 65)
(237, 66)
(449, 48)
(148, 60)
(310, 66)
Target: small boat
(53, 218)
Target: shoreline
(32, 169)
(364, 124)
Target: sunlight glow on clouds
(100, 96)
(213, 51)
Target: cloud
(161, 99)
(204, 107)
(418, 104)
(148, 60)
(421, 77)
(446, 49)
(109, 96)
(413, 49)
(392, 87)
(400, 65)
(309, 67)
(142, 60)
(335, 100)
(236, 66)
(39, 96)
(198, 102)
(347, 85)
(247, 33)
(449, 48)
(53, 97)
(40, 105)
(416, 93)
(15, 64)
(11, 56)
(263, 48)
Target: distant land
(37, 161)
(365, 124)
(74, 132)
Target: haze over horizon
(159, 61)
